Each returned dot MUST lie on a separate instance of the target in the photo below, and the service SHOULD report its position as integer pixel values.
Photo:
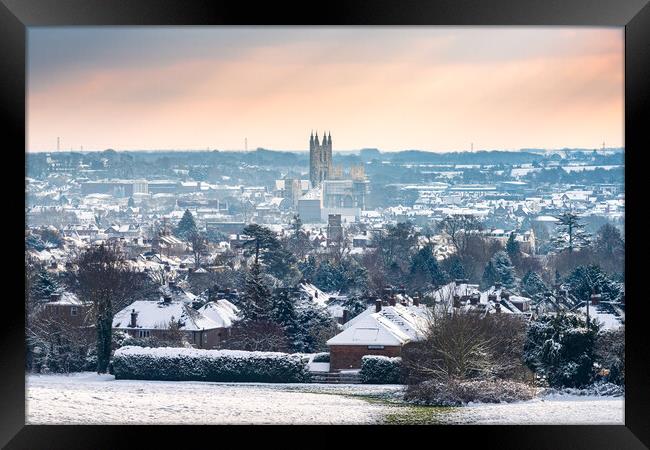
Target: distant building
(116, 188)
(320, 159)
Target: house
(66, 307)
(146, 318)
(379, 330)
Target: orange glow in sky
(392, 88)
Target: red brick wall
(349, 356)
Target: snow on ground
(88, 398)
(558, 410)
(91, 399)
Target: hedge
(381, 370)
(188, 364)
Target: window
(73, 311)
(143, 333)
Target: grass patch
(417, 415)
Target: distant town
(339, 257)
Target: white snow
(56, 399)
(88, 398)
(559, 410)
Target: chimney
(456, 301)
(416, 300)
(134, 318)
(391, 300)
(497, 307)
(55, 296)
(377, 305)
(474, 299)
(167, 298)
(458, 281)
(346, 315)
(492, 297)
(505, 295)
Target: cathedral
(320, 159)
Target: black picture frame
(634, 15)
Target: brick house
(67, 308)
(379, 330)
(146, 318)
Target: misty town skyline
(230, 88)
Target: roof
(67, 298)
(392, 326)
(222, 312)
(158, 315)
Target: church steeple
(316, 138)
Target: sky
(392, 88)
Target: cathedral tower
(320, 159)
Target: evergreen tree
(561, 347)
(283, 312)
(585, 280)
(504, 269)
(43, 286)
(569, 233)
(512, 247)
(255, 300)
(490, 276)
(532, 284)
(186, 226)
(425, 269)
(131, 203)
(455, 268)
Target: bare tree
(459, 228)
(105, 281)
(198, 244)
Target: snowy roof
(67, 298)
(393, 325)
(158, 315)
(314, 293)
(222, 312)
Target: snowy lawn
(91, 399)
(88, 398)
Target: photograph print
(325, 225)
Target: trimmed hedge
(189, 364)
(321, 358)
(381, 370)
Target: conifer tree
(255, 300)
(569, 234)
(186, 226)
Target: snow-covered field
(88, 398)
(91, 399)
(557, 410)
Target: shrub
(561, 349)
(321, 357)
(381, 370)
(458, 393)
(188, 364)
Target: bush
(381, 370)
(561, 349)
(188, 364)
(321, 357)
(458, 393)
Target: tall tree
(186, 226)
(512, 247)
(569, 233)
(105, 281)
(499, 269)
(198, 242)
(256, 298)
